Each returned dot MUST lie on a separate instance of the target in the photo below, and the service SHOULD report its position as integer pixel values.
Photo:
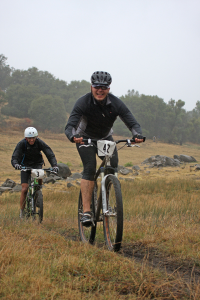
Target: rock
(5, 189)
(185, 158)
(69, 179)
(161, 161)
(17, 188)
(123, 170)
(177, 162)
(76, 176)
(9, 183)
(136, 168)
(69, 184)
(78, 182)
(196, 167)
(136, 174)
(64, 170)
(55, 177)
(49, 180)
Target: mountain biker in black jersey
(93, 116)
(28, 153)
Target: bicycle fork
(32, 198)
(105, 207)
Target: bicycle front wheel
(113, 219)
(27, 209)
(38, 206)
(87, 234)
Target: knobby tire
(113, 220)
(87, 234)
(38, 206)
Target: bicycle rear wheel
(38, 206)
(113, 220)
(87, 234)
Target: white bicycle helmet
(30, 132)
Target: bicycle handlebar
(29, 169)
(128, 141)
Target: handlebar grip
(144, 138)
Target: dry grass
(161, 222)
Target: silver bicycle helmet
(101, 78)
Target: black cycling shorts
(26, 174)
(88, 157)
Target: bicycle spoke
(113, 219)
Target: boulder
(123, 170)
(76, 176)
(49, 180)
(161, 161)
(5, 189)
(17, 188)
(9, 183)
(55, 176)
(64, 170)
(136, 168)
(185, 158)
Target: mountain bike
(34, 198)
(107, 206)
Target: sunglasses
(103, 87)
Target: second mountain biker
(28, 153)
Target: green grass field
(160, 254)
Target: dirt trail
(186, 269)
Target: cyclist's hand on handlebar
(55, 169)
(78, 140)
(18, 167)
(138, 138)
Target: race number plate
(37, 173)
(105, 147)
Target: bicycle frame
(31, 191)
(109, 205)
(32, 208)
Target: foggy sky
(152, 46)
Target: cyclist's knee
(89, 172)
(88, 177)
(24, 188)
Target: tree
(176, 121)
(48, 113)
(5, 72)
(75, 90)
(2, 96)
(149, 111)
(19, 98)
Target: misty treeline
(48, 101)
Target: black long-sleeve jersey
(90, 118)
(29, 155)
